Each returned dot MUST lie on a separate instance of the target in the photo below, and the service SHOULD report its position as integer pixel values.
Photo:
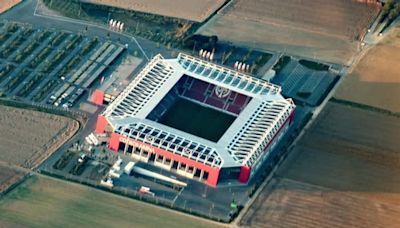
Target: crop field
(323, 29)
(27, 137)
(294, 204)
(45, 202)
(197, 10)
(342, 173)
(375, 80)
(7, 4)
(8, 176)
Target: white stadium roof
(243, 141)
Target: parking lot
(51, 66)
(301, 82)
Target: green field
(198, 120)
(48, 202)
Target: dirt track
(26, 136)
(375, 81)
(344, 172)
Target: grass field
(27, 136)
(198, 120)
(342, 173)
(45, 202)
(322, 29)
(375, 81)
(194, 10)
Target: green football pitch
(198, 120)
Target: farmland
(45, 202)
(197, 10)
(327, 30)
(7, 4)
(26, 137)
(296, 204)
(375, 80)
(8, 176)
(336, 175)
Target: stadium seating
(202, 92)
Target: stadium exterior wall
(101, 124)
(244, 175)
(213, 173)
(248, 172)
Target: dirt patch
(342, 173)
(323, 29)
(194, 10)
(27, 137)
(375, 81)
(7, 4)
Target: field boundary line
(365, 107)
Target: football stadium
(197, 119)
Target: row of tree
(390, 10)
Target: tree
(394, 12)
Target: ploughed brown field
(322, 29)
(375, 80)
(194, 10)
(27, 137)
(344, 172)
(7, 4)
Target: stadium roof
(241, 144)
